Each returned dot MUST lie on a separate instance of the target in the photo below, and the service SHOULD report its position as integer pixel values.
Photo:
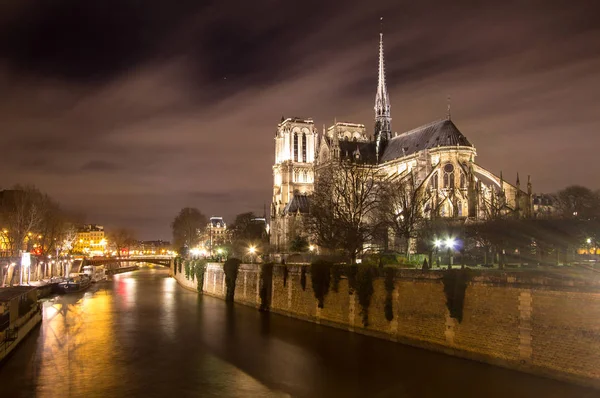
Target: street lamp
(437, 243)
(195, 252)
(252, 250)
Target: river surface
(142, 335)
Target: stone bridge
(156, 259)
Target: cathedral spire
(383, 120)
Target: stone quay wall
(527, 323)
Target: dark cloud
(100, 166)
(130, 110)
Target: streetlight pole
(437, 244)
(252, 250)
(450, 242)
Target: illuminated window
(304, 147)
(448, 176)
(434, 180)
(296, 146)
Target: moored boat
(73, 285)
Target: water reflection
(142, 335)
(74, 340)
(167, 309)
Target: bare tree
(52, 225)
(404, 207)
(20, 215)
(121, 238)
(578, 202)
(187, 227)
(342, 213)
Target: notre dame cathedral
(440, 157)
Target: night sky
(128, 110)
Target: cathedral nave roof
(437, 134)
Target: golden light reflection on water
(77, 337)
(167, 313)
(141, 335)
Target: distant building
(215, 235)
(4, 243)
(217, 231)
(150, 247)
(90, 240)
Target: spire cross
(448, 103)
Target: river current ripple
(141, 335)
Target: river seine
(142, 335)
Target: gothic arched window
(459, 208)
(304, 147)
(434, 180)
(296, 156)
(448, 176)
(463, 180)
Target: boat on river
(74, 285)
(96, 273)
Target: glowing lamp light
(437, 243)
(25, 259)
(450, 242)
(252, 249)
(311, 248)
(589, 241)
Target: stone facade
(536, 325)
(437, 154)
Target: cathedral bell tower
(383, 120)
(293, 171)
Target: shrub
(266, 284)
(175, 266)
(336, 276)
(455, 285)
(320, 273)
(389, 289)
(231, 268)
(303, 277)
(425, 265)
(364, 289)
(200, 271)
(351, 271)
(179, 265)
(186, 266)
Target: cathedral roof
(365, 150)
(437, 134)
(298, 203)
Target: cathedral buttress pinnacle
(383, 119)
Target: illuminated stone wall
(524, 322)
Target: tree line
(32, 221)
(190, 230)
(356, 209)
